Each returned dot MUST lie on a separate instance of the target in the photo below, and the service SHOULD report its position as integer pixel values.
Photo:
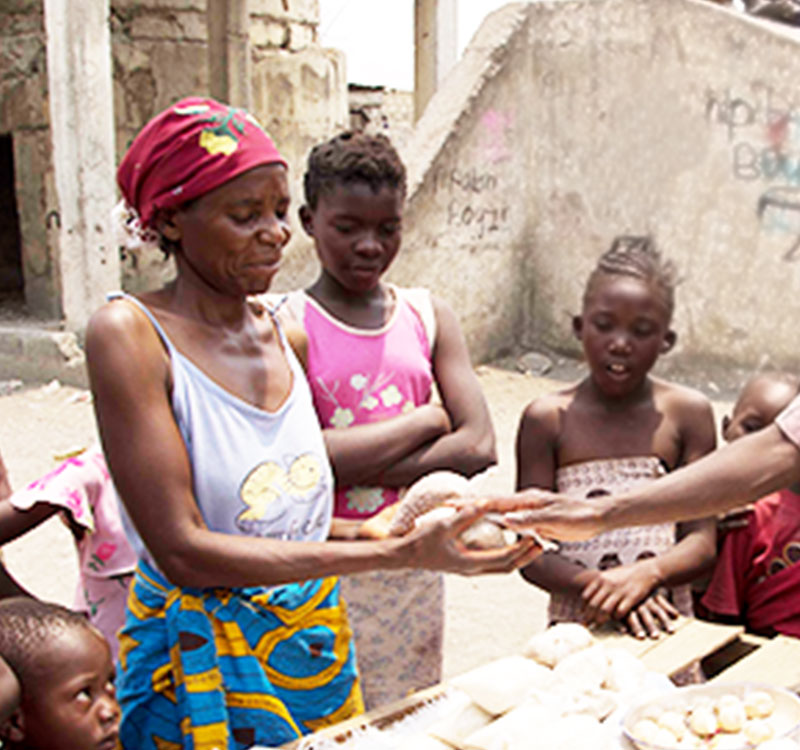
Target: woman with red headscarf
(235, 634)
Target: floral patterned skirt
(398, 620)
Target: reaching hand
(437, 546)
(553, 516)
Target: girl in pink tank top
(374, 352)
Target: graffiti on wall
(763, 130)
(779, 211)
(473, 199)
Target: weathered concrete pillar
(82, 131)
(435, 47)
(229, 51)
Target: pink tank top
(362, 375)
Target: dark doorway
(11, 280)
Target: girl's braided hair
(637, 256)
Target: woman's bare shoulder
(120, 330)
(118, 316)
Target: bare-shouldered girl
(616, 428)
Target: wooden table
(773, 660)
(692, 640)
(731, 654)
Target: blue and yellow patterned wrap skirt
(231, 668)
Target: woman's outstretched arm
(736, 474)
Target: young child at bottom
(64, 668)
(756, 580)
(374, 352)
(616, 428)
(81, 490)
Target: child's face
(356, 232)
(760, 401)
(73, 706)
(623, 328)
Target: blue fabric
(230, 668)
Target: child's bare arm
(362, 453)
(615, 593)
(696, 424)
(469, 447)
(536, 467)
(696, 549)
(384, 443)
(15, 522)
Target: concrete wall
(300, 96)
(24, 115)
(301, 99)
(82, 133)
(468, 219)
(570, 122)
(681, 119)
(299, 92)
(375, 109)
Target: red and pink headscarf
(187, 150)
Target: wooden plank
(640, 646)
(725, 657)
(637, 646)
(751, 639)
(776, 662)
(383, 716)
(692, 642)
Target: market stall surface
(580, 689)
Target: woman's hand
(436, 545)
(553, 516)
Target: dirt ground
(487, 616)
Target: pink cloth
(756, 577)
(82, 488)
(608, 476)
(189, 149)
(361, 375)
